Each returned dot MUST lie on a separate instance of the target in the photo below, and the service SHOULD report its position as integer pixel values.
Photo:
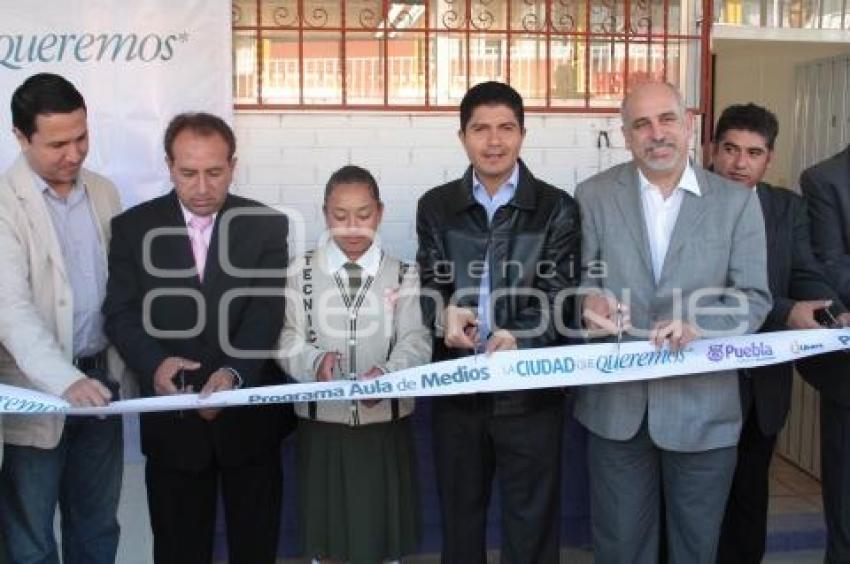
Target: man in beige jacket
(54, 220)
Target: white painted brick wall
(286, 158)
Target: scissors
(480, 348)
(179, 381)
(619, 326)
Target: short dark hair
(202, 124)
(353, 174)
(748, 117)
(43, 94)
(491, 93)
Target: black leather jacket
(534, 244)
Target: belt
(91, 362)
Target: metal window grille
(421, 55)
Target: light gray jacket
(718, 242)
(384, 329)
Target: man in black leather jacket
(497, 255)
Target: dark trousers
(183, 509)
(471, 446)
(835, 469)
(744, 529)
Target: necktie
(197, 226)
(354, 279)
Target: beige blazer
(36, 302)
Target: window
(806, 14)
(561, 55)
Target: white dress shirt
(368, 261)
(660, 214)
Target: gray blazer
(718, 242)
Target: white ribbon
(573, 365)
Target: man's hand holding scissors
(603, 315)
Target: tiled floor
(136, 545)
(789, 482)
(796, 530)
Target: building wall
(286, 158)
(763, 72)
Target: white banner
(137, 64)
(515, 370)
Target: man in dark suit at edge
(826, 190)
(173, 262)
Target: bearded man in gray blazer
(673, 253)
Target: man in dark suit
(742, 151)
(496, 249)
(826, 190)
(195, 303)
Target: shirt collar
(77, 192)
(687, 182)
(505, 192)
(368, 261)
(187, 215)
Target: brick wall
(285, 160)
